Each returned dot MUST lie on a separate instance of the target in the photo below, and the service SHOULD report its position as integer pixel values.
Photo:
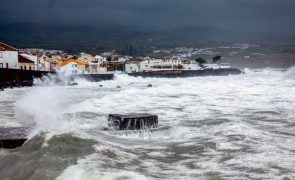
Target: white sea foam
(210, 127)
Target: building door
(1, 65)
(7, 65)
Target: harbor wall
(10, 78)
(188, 73)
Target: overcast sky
(238, 15)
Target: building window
(30, 68)
(25, 67)
(21, 67)
(1, 65)
(1, 54)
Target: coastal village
(106, 62)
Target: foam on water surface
(234, 127)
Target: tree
(216, 58)
(201, 61)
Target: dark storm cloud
(242, 15)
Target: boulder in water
(73, 84)
(132, 121)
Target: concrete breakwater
(188, 73)
(10, 78)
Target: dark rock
(11, 138)
(73, 84)
(100, 85)
(108, 153)
(118, 86)
(132, 121)
(150, 85)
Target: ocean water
(233, 127)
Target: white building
(164, 65)
(99, 59)
(97, 65)
(72, 66)
(33, 58)
(8, 56)
(132, 66)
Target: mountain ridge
(98, 39)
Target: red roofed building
(8, 56)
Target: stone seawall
(188, 73)
(10, 78)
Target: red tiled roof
(22, 59)
(6, 47)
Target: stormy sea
(231, 127)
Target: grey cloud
(239, 15)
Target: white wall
(131, 67)
(71, 68)
(10, 57)
(32, 58)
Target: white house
(72, 66)
(8, 56)
(97, 65)
(99, 59)
(33, 58)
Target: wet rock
(132, 121)
(118, 86)
(73, 84)
(150, 85)
(108, 153)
